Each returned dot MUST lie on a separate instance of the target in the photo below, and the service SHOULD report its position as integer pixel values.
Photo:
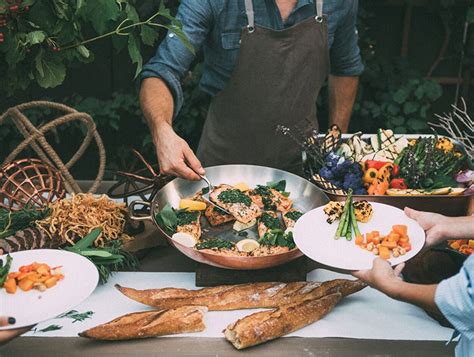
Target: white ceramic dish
(32, 307)
(315, 238)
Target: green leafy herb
(269, 221)
(234, 196)
(167, 219)
(277, 185)
(76, 316)
(5, 269)
(278, 238)
(107, 259)
(14, 221)
(214, 244)
(294, 215)
(186, 217)
(49, 328)
(219, 211)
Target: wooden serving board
(207, 275)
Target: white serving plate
(31, 307)
(315, 238)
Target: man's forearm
(342, 94)
(420, 295)
(157, 103)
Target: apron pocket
(230, 40)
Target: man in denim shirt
(264, 64)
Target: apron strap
(319, 11)
(250, 15)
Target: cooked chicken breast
(215, 217)
(238, 203)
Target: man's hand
(433, 224)
(7, 335)
(382, 276)
(175, 156)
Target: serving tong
(136, 184)
(207, 196)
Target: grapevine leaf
(148, 35)
(100, 13)
(35, 37)
(50, 73)
(134, 52)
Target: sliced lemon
(456, 191)
(441, 191)
(185, 239)
(242, 186)
(239, 226)
(191, 205)
(247, 245)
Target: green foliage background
(392, 94)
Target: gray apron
(276, 80)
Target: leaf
(83, 51)
(96, 253)
(417, 124)
(177, 30)
(410, 107)
(400, 95)
(148, 35)
(277, 185)
(50, 73)
(470, 15)
(88, 240)
(432, 90)
(167, 219)
(397, 121)
(35, 37)
(134, 53)
(100, 13)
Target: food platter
(304, 194)
(314, 236)
(31, 307)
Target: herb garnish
(14, 221)
(76, 316)
(269, 221)
(186, 217)
(214, 244)
(277, 238)
(220, 211)
(167, 219)
(4, 269)
(294, 215)
(49, 328)
(234, 196)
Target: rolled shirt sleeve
(345, 52)
(455, 299)
(172, 59)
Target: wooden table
(166, 259)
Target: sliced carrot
(10, 286)
(13, 275)
(360, 240)
(401, 229)
(384, 252)
(26, 284)
(51, 282)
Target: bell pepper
(370, 175)
(374, 164)
(398, 183)
(395, 170)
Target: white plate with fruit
(382, 231)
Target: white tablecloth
(365, 315)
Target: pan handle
(131, 211)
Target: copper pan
(305, 195)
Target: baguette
(150, 324)
(264, 326)
(243, 296)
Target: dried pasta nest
(79, 215)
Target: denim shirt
(214, 26)
(455, 299)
